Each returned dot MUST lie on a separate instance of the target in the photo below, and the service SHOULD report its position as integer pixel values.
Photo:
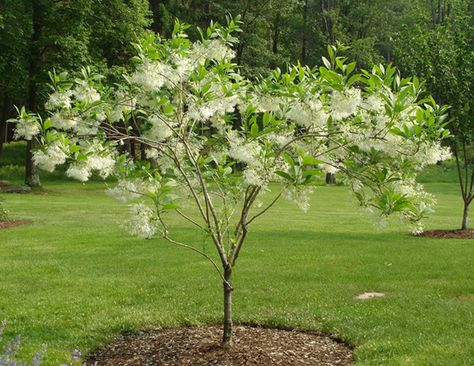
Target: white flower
(27, 128)
(300, 195)
(300, 115)
(431, 153)
(59, 100)
(159, 131)
(374, 104)
(125, 190)
(152, 75)
(142, 222)
(62, 122)
(87, 128)
(86, 94)
(245, 153)
(215, 49)
(49, 158)
(79, 171)
(252, 177)
(345, 103)
(184, 65)
(103, 164)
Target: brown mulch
(199, 346)
(449, 234)
(13, 223)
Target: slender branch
(458, 168)
(183, 215)
(266, 208)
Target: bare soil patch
(199, 346)
(449, 234)
(13, 223)
(369, 295)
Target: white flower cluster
(159, 130)
(153, 75)
(98, 158)
(202, 111)
(374, 103)
(62, 121)
(26, 127)
(431, 153)
(59, 100)
(53, 155)
(142, 222)
(79, 171)
(126, 190)
(300, 195)
(214, 49)
(85, 93)
(345, 104)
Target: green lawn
(75, 279)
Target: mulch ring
(449, 234)
(200, 346)
(13, 223)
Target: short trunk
(227, 337)
(31, 171)
(465, 216)
(330, 178)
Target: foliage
(199, 119)
(443, 54)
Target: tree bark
(305, 32)
(330, 178)
(276, 32)
(465, 215)
(227, 337)
(5, 111)
(31, 172)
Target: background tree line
(433, 39)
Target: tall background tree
(440, 50)
(39, 35)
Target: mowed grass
(76, 279)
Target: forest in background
(432, 39)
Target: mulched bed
(449, 234)
(13, 223)
(199, 346)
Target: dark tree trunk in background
(305, 32)
(155, 13)
(31, 172)
(240, 52)
(276, 32)
(330, 178)
(5, 112)
(326, 7)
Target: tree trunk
(5, 111)
(330, 178)
(31, 172)
(276, 32)
(227, 337)
(465, 215)
(305, 32)
(440, 12)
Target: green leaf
(284, 175)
